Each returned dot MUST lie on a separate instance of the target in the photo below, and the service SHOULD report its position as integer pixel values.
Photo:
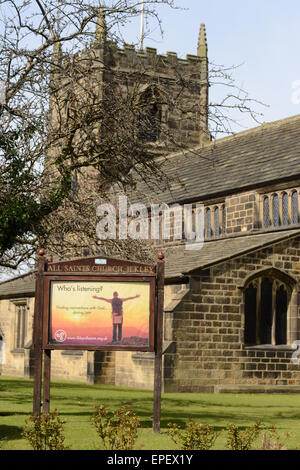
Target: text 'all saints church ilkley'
(232, 309)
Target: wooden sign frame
(102, 269)
(108, 278)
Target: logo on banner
(60, 336)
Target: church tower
(174, 91)
(171, 91)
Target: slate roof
(180, 262)
(270, 152)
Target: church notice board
(99, 304)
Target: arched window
(276, 218)
(150, 115)
(266, 307)
(265, 324)
(250, 314)
(223, 219)
(217, 222)
(285, 209)
(281, 312)
(266, 210)
(295, 210)
(208, 223)
(20, 325)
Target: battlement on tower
(149, 54)
(167, 65)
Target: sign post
(97, 304)
(37, 333)
(158, 342)
(47, 374)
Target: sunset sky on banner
(74, 310)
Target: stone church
(232, 308)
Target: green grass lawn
(75, 402)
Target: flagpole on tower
(142, 25)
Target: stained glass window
(224, 220)
(285, 209)
(295, 207)
(20, 331)
(250, 314)
(217, 222)
(276, 219)
(281, 316)
(267, 221)
(208, 224)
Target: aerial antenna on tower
(142, 25)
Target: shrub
(2, 440)
(118, 430)
(242, 440)
(45, 432)
(272, 441)
(195, 436)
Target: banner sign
(95, 304)
(99, 313)
(100, 304)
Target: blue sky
(263, 35)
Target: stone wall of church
(13, 359)
(67, 365)
(207, 352)
(135, 370)
(241, 213)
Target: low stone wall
(135, 370)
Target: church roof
(268, 153)
(180, 262)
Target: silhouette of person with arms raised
(117, 312)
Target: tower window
(149, 115)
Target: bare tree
(224, 114)
(72, 126)
(53, 108)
